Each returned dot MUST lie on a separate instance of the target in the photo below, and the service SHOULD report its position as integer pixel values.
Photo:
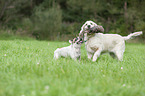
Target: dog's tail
(132, 35)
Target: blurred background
(62, 19)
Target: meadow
(27, 68)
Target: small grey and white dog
(73, 51)
(96, 43)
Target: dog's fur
(87, 26)
(72, 51)
(96, 43)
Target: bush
(140, 26)
(10, 35)
(47, 24)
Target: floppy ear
(100, 28)
(82, 29)
(83, 26)
(70, 41)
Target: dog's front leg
(89, 55)
(96, 55)
(85, 37)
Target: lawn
(27, 68)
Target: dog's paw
(94, 60)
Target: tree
(47, 23)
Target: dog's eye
(91, 23)
(86, 24)
(76, 39)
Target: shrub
(140, 26)
(47, 24)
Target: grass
(6, 36)
(27, 68)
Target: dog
(87, 28)
(73, 51)
(97, 43)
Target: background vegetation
(62, 19)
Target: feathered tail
(132, 35)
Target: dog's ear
(82, 29)
(71, 41)
(83, 26)
(100, 28)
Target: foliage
(47, 23)
(9, 35)
(34, 16)
(28, 69)
(11, 11)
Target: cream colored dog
(87, 26)
(96, 43)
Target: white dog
(73, 50)
(87, 26)
(96, 43)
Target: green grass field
(27, 68)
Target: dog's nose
(89, 26)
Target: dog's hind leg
(119, 55)
(120, 48)
(56, 56)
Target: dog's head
(76, 41)
(95, 29)
(88, 25)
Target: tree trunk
(3, 10)
(126, 16)
(108, 25)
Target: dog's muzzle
(92, 30)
